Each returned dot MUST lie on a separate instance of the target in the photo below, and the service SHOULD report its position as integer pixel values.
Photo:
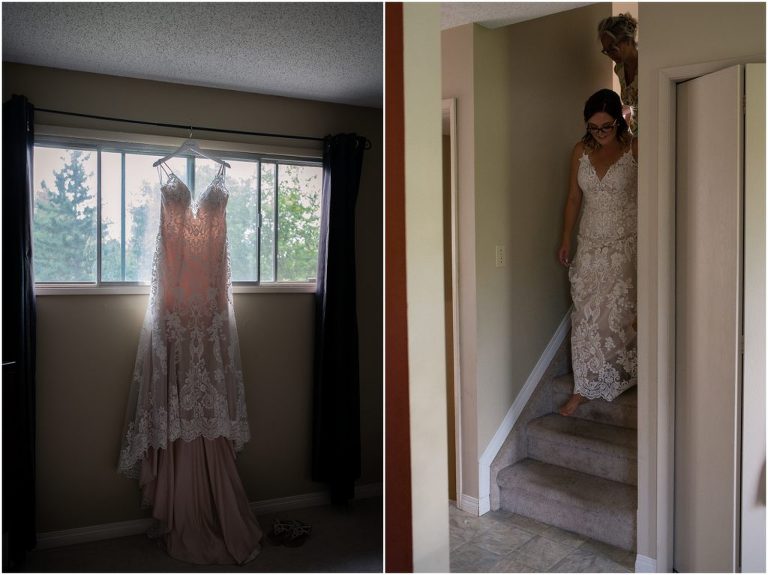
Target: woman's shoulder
(579, 149)
(634, 147)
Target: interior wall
(531, 82)
(87, 344)
(457, 72)
(448, 306)
(424, 273)
(674, 34)
(516, 128)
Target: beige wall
(674, 34)
(457, 54)
(448, 306)
(526, 123)
(87, 344)
(424, 272)
(520, 91)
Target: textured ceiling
(319, 51)
(498, 14)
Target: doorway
(715, 470)
(708, 323)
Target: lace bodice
(610, 203)
(187, 380)
(603, 281)
(193, 236)
(177, 197)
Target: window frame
(128, 146)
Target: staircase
(580, 472)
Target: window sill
(46, 290)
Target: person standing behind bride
(618, 35)
(603, 274)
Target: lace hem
(593, 390)
(134, 452)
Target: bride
(603, 274)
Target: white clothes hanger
(191, 146)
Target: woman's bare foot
(570, 406)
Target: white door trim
(753, 532)
(449, 108)
(664, 338)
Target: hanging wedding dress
(604, 281)
(186, 415)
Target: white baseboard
(281, 504)
(517, 408)
(310, 499)
(469, 504)
(484, 505)
(92, 533)
(475, 506)
(139, 526)
(645, 564)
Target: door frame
(663, 409)
(753, 416)
(449, 110)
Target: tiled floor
(500, 541)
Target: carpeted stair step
(621, 412)
(599, 508)
(599, 449)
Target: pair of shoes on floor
(291, 533)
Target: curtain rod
(182, 127)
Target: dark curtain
(18, 336)
(336, 437)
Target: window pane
(298, 222)
(111, 217)
(274, 241)
(142, 214)
(268, 222)
(65, 215)
(138, 225)
(242, 213)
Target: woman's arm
(572, 207)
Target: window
(97, 212)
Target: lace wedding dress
(603, 281)
(186, 410)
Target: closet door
(709, 232)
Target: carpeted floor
(343, 540)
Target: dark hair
(609, 102)
(620, 27)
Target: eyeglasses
(613, 48)
(604, 129)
